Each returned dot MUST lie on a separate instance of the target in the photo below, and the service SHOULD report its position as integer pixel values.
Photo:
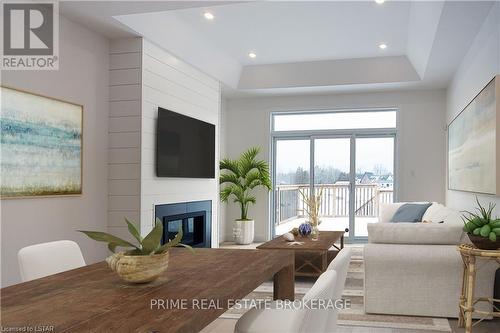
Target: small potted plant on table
(239, 178)
(312, 203)
(483, 230)
(143, 262)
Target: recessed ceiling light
(382, 46)
(252, 55)
(209, 16)
(380, 1)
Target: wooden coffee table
(311, 257)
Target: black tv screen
(185, 147)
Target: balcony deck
(329, 224)
(334, 208)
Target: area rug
(353, 291)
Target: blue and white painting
(472, 145)
(41, 145)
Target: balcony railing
(334, 200)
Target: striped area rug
(355, 316)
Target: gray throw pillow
(410, 212)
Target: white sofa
(415, 268)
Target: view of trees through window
(331, 175)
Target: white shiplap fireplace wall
(144, 77)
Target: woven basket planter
(138, 269)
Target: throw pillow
(410, 212)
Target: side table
(469, 254)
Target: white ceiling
(281, 32)
(303, 47)
(98, 15)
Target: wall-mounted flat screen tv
(185, 147)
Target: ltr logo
(28, 29)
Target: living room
(314, 123)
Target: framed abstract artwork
(41, 145)
(474, 144)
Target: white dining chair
(330, 285)
(340, 264)
(290, 320)
(39, 260)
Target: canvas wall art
(472, 150)
(41, 145)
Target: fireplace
(193, 217)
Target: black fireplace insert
(193, 217)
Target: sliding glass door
(291, 175)
(332, 179)
(374, 180)
(353, 170)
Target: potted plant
(239, 178)
(482, 229)
(143, 262)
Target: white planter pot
(243, 231)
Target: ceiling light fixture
(209, 16)
(382, 46)
(252, 55)
(380, 1)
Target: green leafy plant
(242, 175)
(151, 244)
(481, 223)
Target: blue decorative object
(305, 229)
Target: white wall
(82, 78)
(173, 84)
(421, 140)
(479, 66)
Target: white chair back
(39, 260)
(340, 264)
(319, 320)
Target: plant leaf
(230, 165)
(133, 231)
(187, 247)
(112, 247)
(229, 178)
(105, 237)
(171, 243)
(151, 242)
(226, 192)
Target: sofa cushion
(387, 211)
(433, 213)
(438, 213)
(410, 212)
(415, 233)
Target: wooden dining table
(194, 290)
